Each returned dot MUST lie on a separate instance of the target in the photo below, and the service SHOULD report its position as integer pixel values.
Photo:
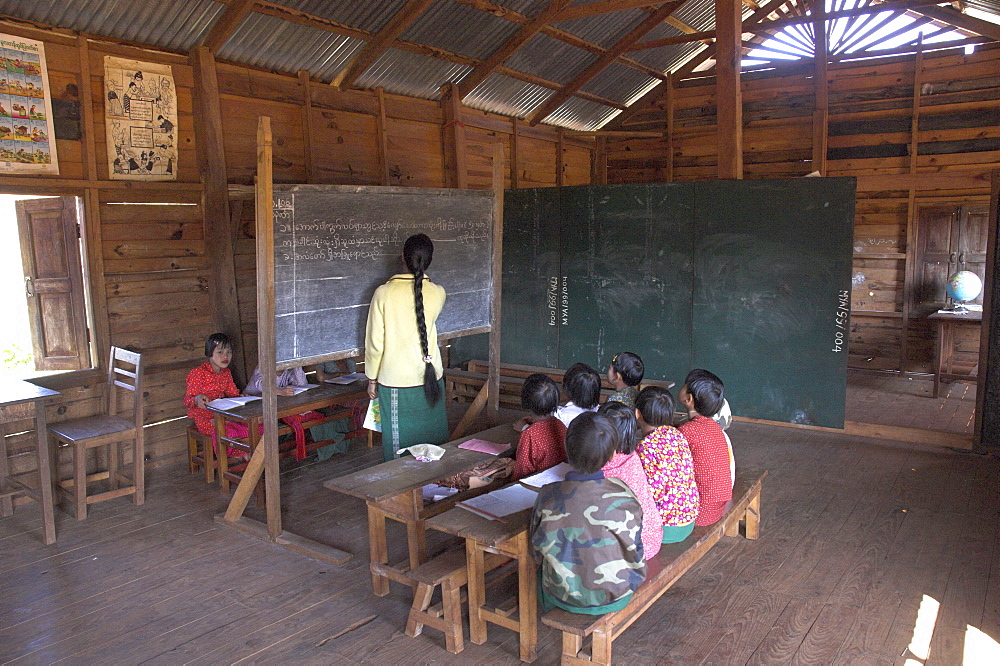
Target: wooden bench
(448, 570)
(672, 562)
(464, 385)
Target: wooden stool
(198, 443)
(450, 572)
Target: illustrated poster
(27, 144)
(141, 119)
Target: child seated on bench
(667, 460)
(582, 386)
(287, 381)
(625, 373)
(585, 531)
(625, 465)
(702, 396)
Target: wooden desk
(393, 490)
(21, 400)
(946, 344)
(509, 538)
(326, 395)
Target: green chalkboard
(749, 279)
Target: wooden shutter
(53, 276)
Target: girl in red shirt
(702, 396)
(209, 381)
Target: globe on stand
(963, 286)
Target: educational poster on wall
(27, 144)
(140, 115)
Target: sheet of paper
(435, 493)
(344, 379)
(483, 446)
(547, 476)
(500, 503)
(299, 389)
(232, 403)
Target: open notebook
(232, 403)
(500, 503)
(547, 476)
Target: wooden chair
(109, 429)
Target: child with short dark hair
(582, 385)
(667, 461)
(625, 465)
(702, 396)
(625, 373)
(543, 443)
(585, 531)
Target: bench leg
(6, 503)
(451, 597)
(571, 646)
(600, 650)
(732, 528)
(753, 518)
(192, 452)
(527, 599)
(80, 481)
(417, 542)
(421, 602)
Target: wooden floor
(886, 398)
(856, 535)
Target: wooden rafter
(959, 20)
(603, 7)
(595, 68)
(516, 41)
(382, 41)
(231, 16)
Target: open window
(43, 285)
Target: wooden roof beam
(516, 41)
(603, 7)
(381, 42)
(962, 21)
(231, 16)
(595, 68)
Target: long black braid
(417, 253)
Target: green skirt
(407, 419)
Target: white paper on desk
(299, 389)
(547, 476)
(232, 403)
(435, 493)
(344, 379)
(500, 503)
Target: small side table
(946, 323)
(21, 400)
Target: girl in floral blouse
(666, 458)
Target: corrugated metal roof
(581, 114)
(460, 29)
(266, 41)
(507, 96)
(617, 82)
(406, 73)
(550, 59)
(605, 30)
(368, 15)
(170, 25)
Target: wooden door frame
(986, 370)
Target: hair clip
(428, 358)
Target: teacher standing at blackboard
(402, 359)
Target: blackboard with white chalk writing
(335, 244)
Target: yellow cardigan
(392, 343)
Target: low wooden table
(508, 538)
(393, 490)
(21, 400)
(251, 414)
(945, 348)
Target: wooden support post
(599, 162)
(987, 430)
(514, 149)
(493, 379)
(909, 264)
(215, 199)
(670, 96)
(266, 347)
(307, 124)
(560, 149)
(822, 108)
(382, 142)
(455, 173)
(729, 98)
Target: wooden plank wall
(148, 252)
(956, 101)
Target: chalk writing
(552, 298)
(565, 301)
(841, 319)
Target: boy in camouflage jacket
(586, 530)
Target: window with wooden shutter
(53, 282)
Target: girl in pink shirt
(625, 465)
